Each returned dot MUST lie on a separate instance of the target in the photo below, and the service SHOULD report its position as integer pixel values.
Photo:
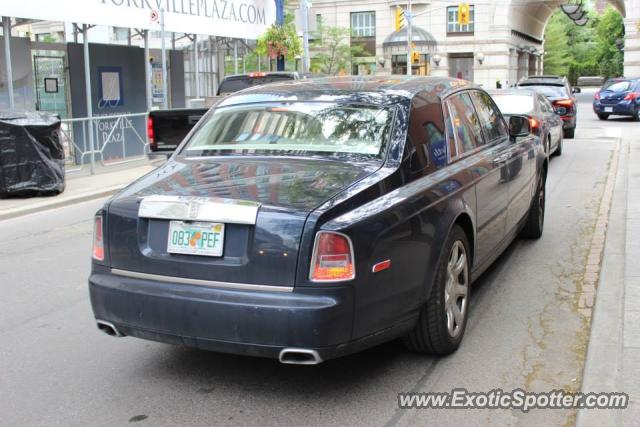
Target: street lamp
(437, 59)
(480, 58)
(381, 61)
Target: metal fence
(117, 139)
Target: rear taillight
(533, 124)
(631, 96)
(564, 103)
(151, 136)
(332, 259)
(597, 96)
(98, 240)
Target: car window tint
(490, 117)
(466, 125)
(236, 84)
(549, 91)
(451, 138)
(545, 106)
(622, 86)
(427, 132)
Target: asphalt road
(524, 331)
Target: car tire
(636, 116)
(558, 151)
(439, 330)
(570, 133)
(535, 218)
(603, 116)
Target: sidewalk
(613, 355)
(80, 186)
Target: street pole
(235, 56)
(87, 89)
(197, 65)
(6, 28)
(147, 71)
(304, 10)
(244, 57)
(279, 22)
(165, 99)
(408, 19)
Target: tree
(589, 50)
(609, 29)
(333, 50)
(280, 40)
(556, 46)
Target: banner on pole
(226, 18)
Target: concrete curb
(603, 364)
(52, 204)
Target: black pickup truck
(167, 128)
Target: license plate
(196, 238)
(608, 109)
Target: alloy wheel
(456, 289)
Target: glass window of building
(452, 20)
(363, 24)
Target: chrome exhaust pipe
(109, 328)
(299, 356)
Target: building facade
(492, 48)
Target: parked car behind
(544, 121)
(557, 90)
(620, 97)
(310, 220)
(167, 128)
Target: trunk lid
(282, 192)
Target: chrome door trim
(188, 208)
(200, 282)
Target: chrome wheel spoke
(461, 291)
(460, 264)
(456, 288)
(457, 314)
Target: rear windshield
(550, 91)
(619, 86)
(514, 104)
(303, 129)
(236, 84)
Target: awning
(419, 37)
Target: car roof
(355, 89)
(261, 74)
(529, 92)
(544, 76)
(541, 82)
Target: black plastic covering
(31, 154)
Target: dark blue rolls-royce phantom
(308, 220)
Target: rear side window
(464, 122)
(550, 91)
(490, 118)
(622, 86)
(427, 132)
(237, 84)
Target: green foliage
(584, 51)
(333, 51)
(280, 40)
(610, 28)
(557, 52)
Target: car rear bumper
(568, 122)
(257, 323)
(620, 109)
